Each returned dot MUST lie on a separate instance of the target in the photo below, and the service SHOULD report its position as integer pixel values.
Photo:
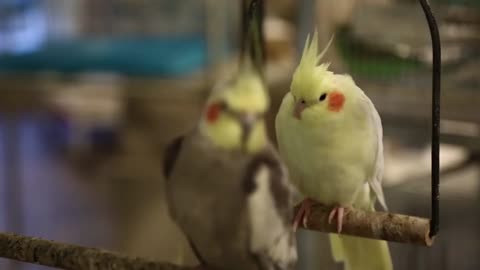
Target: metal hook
(436, 73)
(252, 35)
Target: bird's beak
(247, 121)
(297, 111)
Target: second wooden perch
(376, 225)
(67, 256)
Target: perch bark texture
(66, 256)
(376, 225)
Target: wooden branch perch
(376, 225)
(66, 256)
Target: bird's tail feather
(360, 253)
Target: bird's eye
(223, 105)
(323, 97)
(302, 101)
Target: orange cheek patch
(336, 101)
(213, 112)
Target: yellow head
(234, 116)
(315, 90)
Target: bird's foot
(303, 213)
(340, 213)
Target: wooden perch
(376, 225)
(66, 256)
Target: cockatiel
(226, 186)
(330, 137)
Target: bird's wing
(270, 205)
(171, 155)
(210, 221)
(375, 180)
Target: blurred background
(92, 91)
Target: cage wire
(436, 76)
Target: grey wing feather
(270, 202)
(171, 155)
(376, 180)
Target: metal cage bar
(436, 74)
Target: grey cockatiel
(226, 186)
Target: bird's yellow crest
(247, 93)
(309, 74)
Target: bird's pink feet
(303, 213)
(339, 212)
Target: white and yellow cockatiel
(330, 136)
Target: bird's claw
(303, 214)
(340, 213)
